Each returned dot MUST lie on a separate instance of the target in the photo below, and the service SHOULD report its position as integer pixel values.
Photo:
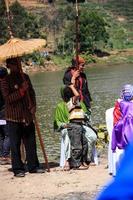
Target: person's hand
(76, 73)
(74, 76)
(23, 88)
(76, 99)
(33, 110)
(24, 85)
(65, 126)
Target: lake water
(104, 84)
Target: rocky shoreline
(116, 57)
(48, 66)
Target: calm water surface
(104, 83)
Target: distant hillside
(121, 10)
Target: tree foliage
(3, 22)
(24, 24)
(92, 32)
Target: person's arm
(86, 111)
(32, 95)
(113, 141)
(8, 96)
(75, 92)
(116, 113)
(67, 78)
(70, 77)
(60, 117)
(116, 117)
(87, 92)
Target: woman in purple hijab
(122, 133)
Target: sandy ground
(56, 185)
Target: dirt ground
(55, 185)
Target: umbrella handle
(77, 34)
(9, 19)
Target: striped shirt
(16, 105)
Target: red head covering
(80, 61)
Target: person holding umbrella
(20, 107)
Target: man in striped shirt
(20, 107)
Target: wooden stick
(7, 6)
(77, 34)
(9, 19)
(41, 142)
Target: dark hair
(3, 72)
(66, 93)
(13, 61)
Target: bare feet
(85, 164)
(82, 167)
(66, 166)
(92, 164)
(5, 161)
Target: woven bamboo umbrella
(16, 47)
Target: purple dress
(123, 130)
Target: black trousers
(17, 133)
(4, 141)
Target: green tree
(92, 32)
(3, 22)
(24, 23)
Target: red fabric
(117, 113)
(21, 92)
(80, 91)
(80, 60)
(78, 84)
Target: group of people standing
(72, 119)
(19, 99)
(122, 141)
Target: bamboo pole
(77, 33)
(9, 19)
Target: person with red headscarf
(75, 76)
